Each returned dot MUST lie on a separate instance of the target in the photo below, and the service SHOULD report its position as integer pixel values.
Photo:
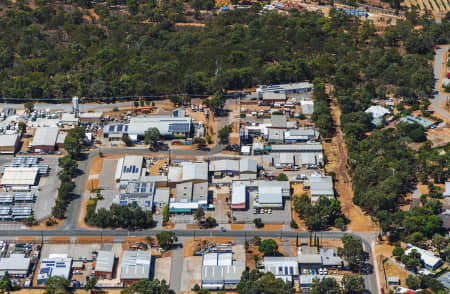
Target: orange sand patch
(94, 240)
(27, 240)
(193, 227)
(249, 259)
(97, 165)
(423, 189)
(169, 226)
(237, 226)
(59, 240)
(92, 184)
(191, 245)
(271, 227)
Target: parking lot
(276, 216)
(48, 189)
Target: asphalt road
(439, 97)
(367, 238)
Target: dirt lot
(336, 152)
(439, 137)
(394, 271)
(96, 169)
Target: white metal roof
(248, 165)
(104, 261)
(19, 176)
(136, 265)
(270, 194)
(138, 125)
(16, 262)
(447, 189)
(426, 256)
(377, 111)
(91, 115)
(45, 136)
(8, 140)
(194, 171)
(321, 185)
(307, 106)
(224, 165)
(281, 266)
(238, 194)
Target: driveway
(439, 98)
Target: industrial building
(271, 97)
(129, 169)
(224, 167)
(278, 122)
(238, 196)
(284, 268)
(301, 135)
(55, 265)
(284, 89)
(220, 272)
(167, 126)
(104, 265)
(308, 258)
(316, 147)
(69, 119)
(275, 136)
(19, 179)
(187, 171)
(189, 197)
(17, 265)
(44, 139)
(307, 107)
(248, 169)
(138, 192)
(86, 117)
(321, 186)
(136, 265)
(9, 143)
(270, 196)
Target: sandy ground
(59, 240)
(94, 240)
(96, 169)
(393, 270)
(237, 226)
(336, 152)
(439, 137)
(271, 227)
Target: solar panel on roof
(291, 270)
(119, 128)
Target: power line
(69, 99)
